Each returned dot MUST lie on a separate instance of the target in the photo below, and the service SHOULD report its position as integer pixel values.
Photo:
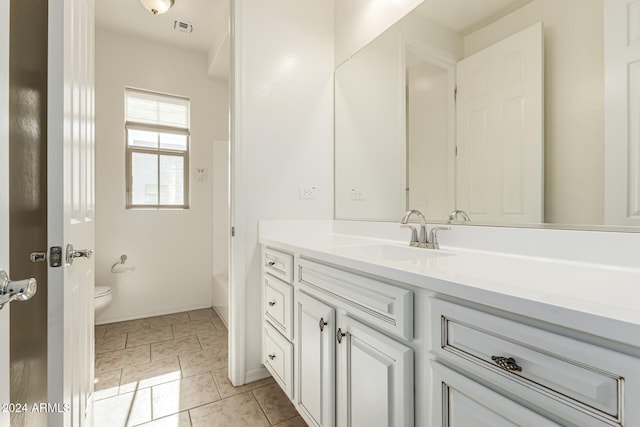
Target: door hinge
(456, 150)
(233, 231)
(455, 94)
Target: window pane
(171, 180)
(142, 138)
(144, 179)
(171, 141)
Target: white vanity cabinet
(347, 373)
(350, 339)
(315, 360)
(570, 380)
(354, 345)
(277, 309)
(464, 402)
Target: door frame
(237, 267)
(4, 200)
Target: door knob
(20, 290)
(80, 253)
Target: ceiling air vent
(185, 27)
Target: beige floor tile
(121, 358)
(180, 395)
(111, 343)
(176, 420)
(237, 411)
(227, 389)
(149, 336)
(293, 422)
(169, 319)
(203, 361)
(126, 327)
(100, 330)
(194, 327)
(202, 314)
(213, 340)
(275, 403)
(178, 346)
(149, 374)
(123, 410)
(106, 384)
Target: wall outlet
(306, 193)
(357, 194)
(200, 174)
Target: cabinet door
(315, 356)
(467, 403)
(375, 378)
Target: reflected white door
(622, 112)
(71, 207)
(4, 201)
(499, 168)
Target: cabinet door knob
(271, 303)
(340, 335)
(507, 363)
(270, 264)
(272, 356)
(322, 324)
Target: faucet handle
(433, 236)
(414, 235)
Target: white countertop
(600, 300)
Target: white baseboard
(180, 309)
(256, 375)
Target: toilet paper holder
(123, 259)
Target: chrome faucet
(416, 240)
(422, 240)
(454, 216)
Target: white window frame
(159, 152)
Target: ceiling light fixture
(157, 7)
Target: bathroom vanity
(361, 331)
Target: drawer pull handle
(271, 303)
(340, 335)
(506, 363)
(272, 356)
(270, 264)
(322, 324)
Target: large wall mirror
(517, 112)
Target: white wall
(574, 102)
(370, 135)
(282, 138)
(171, 249)
(358, 22)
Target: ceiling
(209, 19)
(465, 16)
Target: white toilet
(102, 299)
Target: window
(157, 138)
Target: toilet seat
(102, 291)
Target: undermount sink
(392, 252)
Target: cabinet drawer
(279, 264)
(278, 358)
(384, 305)
(578, 374)
(278, 306)
(466, 403)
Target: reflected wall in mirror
(398, 125)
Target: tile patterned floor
(171, 371)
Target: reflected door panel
(499, 131)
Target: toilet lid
(102, 291)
